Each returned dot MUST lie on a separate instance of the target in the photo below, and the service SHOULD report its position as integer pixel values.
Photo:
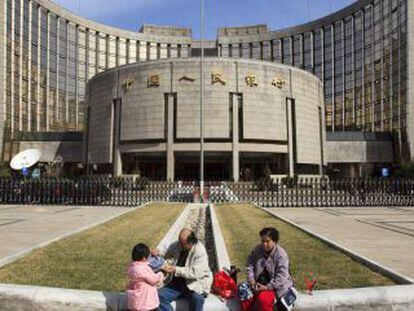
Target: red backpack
(224, 286)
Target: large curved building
(363, 54)
(146, 117)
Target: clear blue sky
(131, 14)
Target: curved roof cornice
(92, 25)
(290, 31)
(271, 35)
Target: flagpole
(202, 104)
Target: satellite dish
(26, 158)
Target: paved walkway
(385, 235)
(24, 227)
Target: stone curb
(382, 298)
(29, 298)
(223, 259)
(373, 265)
(175, 229)
(18, 255)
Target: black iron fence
(133, 192)
(318, 193)
(92, 191)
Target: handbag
(287, 301)
(245, 291)
(224, 286)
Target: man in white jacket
(192, 275)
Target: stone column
(170, 137)
(86, 134)
(290, 138)
(29, 72)
(56, 120)
(47, 111)
(410, 78)
(320, 140)
(117, 159)
(20, 70)
(322, 126)
(3, 66)
(235, 138)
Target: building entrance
(148, 165)
(254, 166)
(217, 166)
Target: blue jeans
(176, 290)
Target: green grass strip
(95, 259)
(241, 223)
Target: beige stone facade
(250, 107)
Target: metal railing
(92, 191)
(318, 193)
(133, 192)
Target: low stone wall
(223, 259)
(384, 298)
(29, 298)
(174, 230)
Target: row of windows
(49, 60)
(365, 50)
(59, 56)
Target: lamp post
(202, 104)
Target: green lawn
(241, 223)
(97, 258)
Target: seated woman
(268, 272)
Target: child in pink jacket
(141, 292)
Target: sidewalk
(385, 235)
(25, 227)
